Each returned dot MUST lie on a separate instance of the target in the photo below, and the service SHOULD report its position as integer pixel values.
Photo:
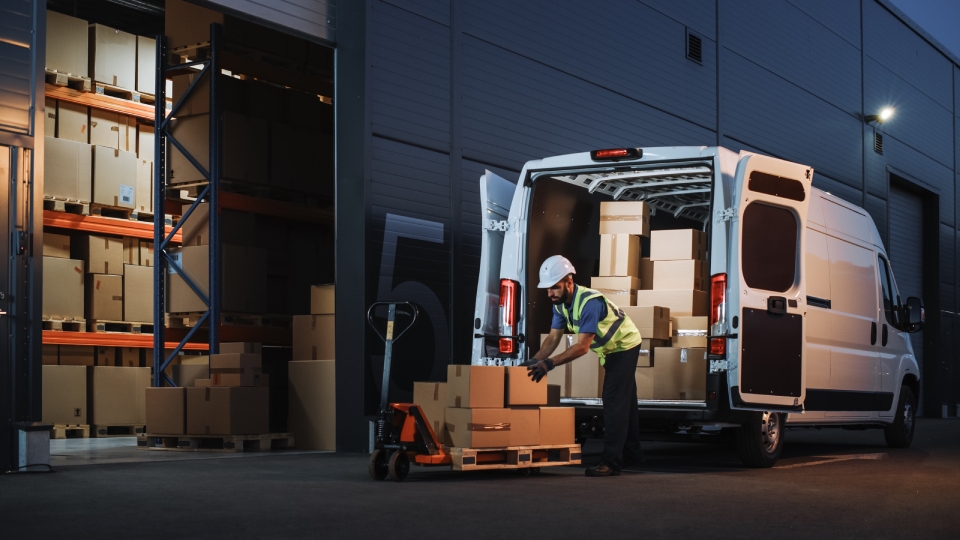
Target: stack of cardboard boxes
(78, 393)
(312, 374)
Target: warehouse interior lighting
(885, 114)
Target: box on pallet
(621, 290)
(63, 288)
(619, 255)
(522, 390)
(524, 426)
(102, 255)
(113, 57)
(475, 386)
(680, 373)
(478, 428)
(314, 337)
(64, 395)
(114, 177)
(652, 321)
(682, 302)
(166, 411)
(687, 274)
(138, 294)
(557, 425)
(56, 245)
(105, 129)
(104, 297)
(625, 217)
(73, 123)
(228, 410)
(313, 404)
(116, 395)
(679, 244)
(66, 50)
(236, 370)
(67, 169)
(432, 398)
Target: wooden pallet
(70, 431)
(148, 218)
(118, 431)
(119, 327)
(64, 325)
(216, 443)
(189, 320)
(76, 82)
(514, 457)
(66, 206)
(123, 93)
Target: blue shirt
(594, 311)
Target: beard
(564, 297)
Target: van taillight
(616, 153)
(718, 308)
(509, 291)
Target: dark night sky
(940, 18)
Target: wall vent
(877, 142)
(694, 47)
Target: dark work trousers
(621, 418)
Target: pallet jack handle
(389, 338)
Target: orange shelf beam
(102, 225)
(269, 207)
(102, 339)
(100, 101)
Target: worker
(604, 328)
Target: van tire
(760, 440)
(899, 434)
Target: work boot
(601, 470)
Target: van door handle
(873, 333)
(777, 305)
(883, 337)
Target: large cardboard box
(228, 410)
(478, 428)
(166, 410)
(73, 122)
(619, 255)
(243, 270)
(56, 245)
(680, 373)
(188, 24)
(524, 426)
(66, 44)
(145, 142)
(49, 117)
(621, 290)
(104, 297)
(102, 254)
(689, 332)
(186, 375)
(241, 347)
(314, 337)
(77, 355)
(557, 425)
(680, 244)
(243, 156)
(625, 217)
(688, 274)
(50, 355)
(62, 288)
(113, 57)
(105, 128)
(652, 321)
(432, 398)
(114, 177)
(313, 404)
(116, 396)
(144, 193)
(146, 65)
(644, 380)
(137, 293)
(238, 228)
(475, 387)
(68, 166)
(522, 390)
(146, 253)
(323, 299)
(682, 302)
(236, 370)
(64, 395)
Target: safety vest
(615, 333)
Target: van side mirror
(915, 315)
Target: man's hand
(539, 370)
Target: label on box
(176, 257)
(126, 194)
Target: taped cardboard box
(144, 192)
(475, 387)
(644, 379)
(77, 355)
(557, 425)
(146, 65)
(73, 122)
(228, 410)
(116, 396)
(186, 375)
(63, 288)
(652, 321)
(522, 390)
(314, 337)
(49, 117)
(114, 177)
(105, 128)
(687, 274)
(619, 255)
(622, 291)
(238, 347)
(679, 244)
(238, 228)
(50, 355)
(432, 398)
(166, 411)
(68, 166)
(478, 428)
(625, 217)
(67, 44)
(104, 297)
(103, 255)
(113, 57)
(323, 299)
(243, 274)
(146, 253)
(64, 397)
(680, 373)
(681, 302)
(524, 426)
(56, 245)
(647, 348)
(138, 294)
(313, 404)
(236, 370)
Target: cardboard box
(49, 117)
(77, 355)
(105, 356)
(243, 156)
(680, 373)
(113, 57)
(647, 348)
(186, 375)
(652, 321)
(73, 122)
(131, 251)
(553, 395)
(625, 217)
(585, 375)
(64, 395)
(166, 410)
(104, 297)
(128, 133)
(66, 50)
(188, 24)
(68, 166)
(105, 128)
(323, 299)
(236, 370)
(621, 290)
(146, 65)
(138, 294)
(313, 404)
(644, 379)
(62, 288)
(520, 389)
(690, 326)
(682, 302)
(145, 142)
(223, 410)
(238, 228)
(557, 425)
(144, 193)
(132, 357)
(680, 244)
(314, 337)
(432, 398)
(686, 274)
(475, 387)
(50, 355)
(116, 395)
(102, 254)
(478, 428)
(146, 253)
(242, 290)
(114, 177)
(237, 347)
(525, 426)
(202, 383)
(56, 245)
(619, 255)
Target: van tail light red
(616, 153)
(718, 309)
(509, 296)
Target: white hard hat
(553, 270)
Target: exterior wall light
(885, 114)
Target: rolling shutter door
(906, 252)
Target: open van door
(496, 195)
(769, 285)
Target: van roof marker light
(613, 154)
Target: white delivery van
(806, 327)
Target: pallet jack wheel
(378, 466)
(399, 466)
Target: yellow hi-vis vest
(615, 333)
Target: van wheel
(760, 440)
(899, 434)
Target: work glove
(530, 362)
(539, 370)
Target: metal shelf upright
(209, 68)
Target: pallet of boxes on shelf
(312, 373)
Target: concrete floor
(829, 484)
(113, 450)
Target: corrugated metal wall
(317, 18)
(16, 65)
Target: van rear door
(496, 195)
(768, 289)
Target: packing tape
(97, 287)
(116, 152)
(691, 333)
(621, 218)
(503, 426)
(459, 373)
(106, 243)
(118, 298)
(436, 391)
(456, 402)
(683, 355)
(78, 270)
(615, 291)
